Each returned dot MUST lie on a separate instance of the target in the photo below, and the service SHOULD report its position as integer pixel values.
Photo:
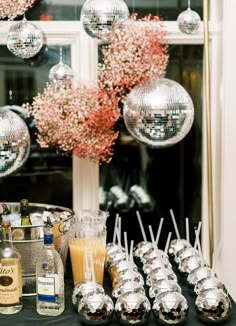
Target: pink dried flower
(136, 54)
(13, 8)
(76, 120)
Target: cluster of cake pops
(148, 284)
(168, 303)
(131, 303)
(212, 302)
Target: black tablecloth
(29, 317)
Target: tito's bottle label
(9, 287)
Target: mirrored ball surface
(159, 113)
(14, 142)
(24, 39)
(98, 16)
(188, 21)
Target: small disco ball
(132, 308)
(61, 73)
(24, 39)
(14, 142)
(98, 16)
(95, 309)
(159, 113)
(170, 308)
(188, 21)
(213, 306)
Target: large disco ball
(24, 39)
(98, 16)
(14, 142)
(159, 113)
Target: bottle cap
(48, 238)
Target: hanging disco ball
(188, 21)
(14, 142)
(98, 16)
(159, 113)
(24, 39)
(61, 73)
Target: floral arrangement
(137, 53)
(80, 120)
(13, 8)
(76, 120)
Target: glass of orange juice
(88, 234)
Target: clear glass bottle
(25, 212)
(50, 299)
(10, 272)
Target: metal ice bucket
(29, 239)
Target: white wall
(228, 154)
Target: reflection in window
(170, 176)
(46, 172)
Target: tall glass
(88, 235)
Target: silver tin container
(29, 239)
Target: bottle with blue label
(50, 298)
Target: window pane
(45, 173)
(172, 175)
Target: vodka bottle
(49, 277)
(10, 272)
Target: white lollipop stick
(156, 251)
(92, 267)
(167, 243)
(198, 232)
(115, 228)
(126, 247)
(159, 230)
(174, 223)
(119, 232)
(187, 229)
(86, 265)
(131, 262)
(141, 226)
(199, 246)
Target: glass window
(46, 172)
(170, 176)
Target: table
(29, 317)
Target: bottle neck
(6, 229)
(25, 216)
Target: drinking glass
(88, 235)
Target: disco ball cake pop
(188, 21)
(95, 308)
(159, 113)
(213, 306)
(14, 142)
(98, 16)
(132, 308)
(170, 308)
(24, 39)
(83, 288)
(209, 283)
